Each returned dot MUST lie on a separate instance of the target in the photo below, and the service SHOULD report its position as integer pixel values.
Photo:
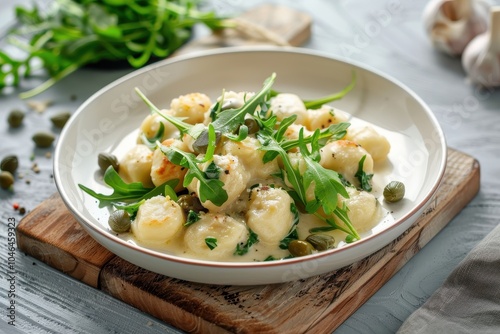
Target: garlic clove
(481, 58)
(452, 24)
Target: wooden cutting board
(315, 305)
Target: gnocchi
(374, 143)
(232, 173)
(343, 156)
(191, 107)
(250, 156)
(159, 219)
(136, 165)
(324, 117)
(285, 105)
(151, 125)
(248, 184)
(269, 213)
(163, 170)
(227, 232)
(364, 209)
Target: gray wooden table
(384, 34)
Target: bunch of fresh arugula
(71, 34)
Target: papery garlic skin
(481, 58)
(452, 24)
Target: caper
(6, 180)
(15, 118)
(321, 242)
(9, 164)
(300, 248)
(60, 119)
(394, 191)
(104, 160)
(252, 125)
(200, 145)
(190, 202)
(43, 139)
(119, 221)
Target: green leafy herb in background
(75, 33)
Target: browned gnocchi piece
(135, 166)
(343, 156)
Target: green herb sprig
(253, 238)
(128, 192)
(211, 189)
(327, 183)
(74, 33)
(319, 102)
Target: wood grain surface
(315, 305)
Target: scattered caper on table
(119, 221)
(15, 118)
(104, 160)
(60, 119)
(394, 191)
(9, 164)
(6, 180)
(43, 139)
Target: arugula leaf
(229, 120)
(122, 191)
(333, 132)
(206, 142)
(75, 33)
(151, 142)
(176, 121)
(211, 242)
(363, 178)
(293, 233)
(292, 174)
(317, 103)
(341, 213)
(210, 189)
(127, 192)
(192, 217)
(327, 183)
(253, 238)
(169, 189)
(131, 208)
(242, 134)
(212, 171)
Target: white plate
(418, 154)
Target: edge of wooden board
(49, 233)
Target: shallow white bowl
(418, 153)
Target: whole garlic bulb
(481, 58)
(452, 24)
